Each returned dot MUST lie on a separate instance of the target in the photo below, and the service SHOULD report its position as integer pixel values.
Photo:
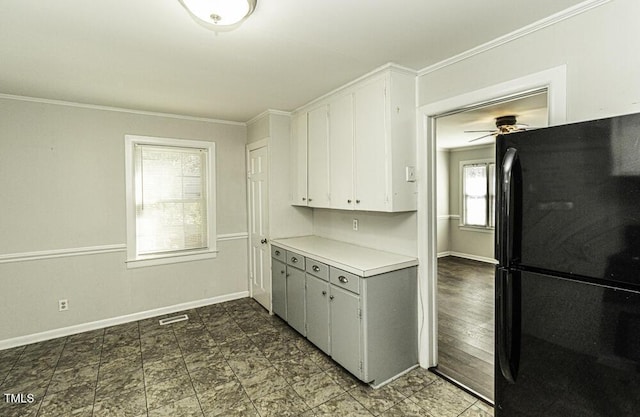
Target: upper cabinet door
(341, 152)
(299, 160)
(371, 136)
(318, 157)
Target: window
(478, 194)
(170, 200)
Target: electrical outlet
(63, 305)
(355, 224)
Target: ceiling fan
(504, 124)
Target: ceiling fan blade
(482, 137)
(479, 131)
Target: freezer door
(579, 350)
(572, 195)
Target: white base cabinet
(366, 324)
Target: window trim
(134, 260)
(471, 227)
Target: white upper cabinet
(318, 157)
(360, 144)
(298, 149)
(341, 152)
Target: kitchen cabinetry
(288, 287)
(295, 292)
(361, 142)
(341, 152)
(298, 162)
(279, 288)
(365, 318)
(318, 157)
(317, 297)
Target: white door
(371, 166)
(318, 160)
(258, 190)
(341, 152)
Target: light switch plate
(410, 174)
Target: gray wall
(63, 188)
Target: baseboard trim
(468, 256)
(101, 324)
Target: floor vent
(174, 319)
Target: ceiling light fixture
(219, 14)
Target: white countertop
(358, 260)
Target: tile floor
(229, 359)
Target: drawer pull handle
(294, 259)
(315, 268)
(277, 253)
(343, 279)
(324, 293)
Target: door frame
(555, 81)
(262, 143)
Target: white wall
(392, 232)
(599, 48)
(63, 187)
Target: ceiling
(451, 130)
(150, 55)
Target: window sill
(170, 259)
(476, 229)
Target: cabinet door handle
(294, 259)
(331, 297)
(324, 293)
(343, 279)
(310, 200)
(282, 272)
(263, 241)
(277, 253)
(288, 275)
(349, 201)
(315, 268)
(304, 198)
(357, 201)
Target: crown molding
(268, 112)
(117, 109)
(519, 33)
(388, 66)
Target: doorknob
(263, 241)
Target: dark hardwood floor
(466, 322)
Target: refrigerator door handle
(505, 234)
(507, 334)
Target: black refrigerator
(568, 273)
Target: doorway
(554, 81)
(465, 146)
(258, 202)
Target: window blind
(170, 198)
